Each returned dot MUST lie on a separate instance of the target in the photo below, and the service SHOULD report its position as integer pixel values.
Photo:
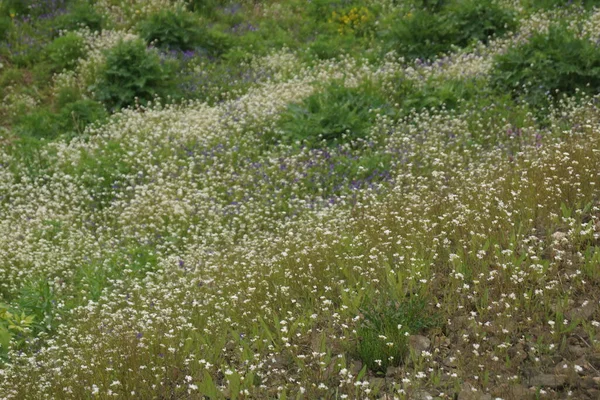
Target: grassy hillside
(326, 199)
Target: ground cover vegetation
(325, 199)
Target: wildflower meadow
(300, 199)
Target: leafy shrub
(32, 8)
(207, 8)
(382, 336)
(407, 95)
(557, 62)
(424, 34)
(63, 52)
(177, 30)
(182, 30)
(430, 5)
(75, 116)
(13, 327)
(71, 118)
(131, 71)
(335, 115)
(329, 46)
(80, 14)
(420, 34)
(321, 10)
(41, 123)
(5, 26)
(214, 43)
(476, 20)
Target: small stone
(588, 382)
(458, 323)
(356, 367)
(517, 353)
(584, 312)
(392, 371)
(422, 395)
(521, 392)
(418, 343)
(468, 392)
(506, 391)
(576, 351)
(548, 380)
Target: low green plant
(5, 26)
(407, 95)
(132, 72)
(70, 119)
(13, 327)
(424, 34)
(321, 10)
(206, 8)
(338, 114)
(383, 333)
(37, 300)
(40, 123)
(477, 20)
(419, 34)
(548, 65)
(75, 116)
(64, 51)
(172, 29)
(80, 14)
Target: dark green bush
(477, 20)
(5, 26)
(207, 8)
(424, 34)
(132, 71)
(420, 34)
(431, 5)
(548, 65)
(214, 43)
(75, 116)
(183, 31)
(41, 123)
(70, 120)
(80, 14)
(335, 115)
(63, 52)
(176, 30)
(407, 95)
(30, 7)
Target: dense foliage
(548, 65)
(131, 73)
(333, 199)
